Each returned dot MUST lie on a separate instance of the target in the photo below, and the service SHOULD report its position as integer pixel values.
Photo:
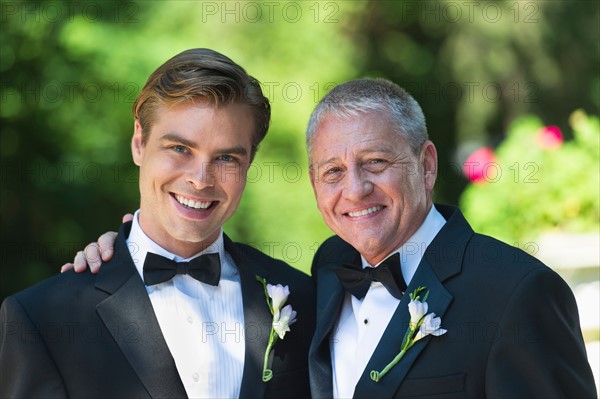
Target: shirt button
(366, 321)
(190, 319)
(196, 377)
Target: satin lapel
(389, 345)
(257, 320)
(330, 296)
(129, 317)
(442, 260)
(330, 293)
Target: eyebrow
(174, 137)
(360, 152)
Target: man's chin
(369, 249)
(193, 233)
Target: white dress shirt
(203, 325)
(362, 322)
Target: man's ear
(137, 143)
(429, 163)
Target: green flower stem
(377, 375)
(267, 372)
(407, 343)
(409, 337)
(269, 300)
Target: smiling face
(193, 170)
(371, 189)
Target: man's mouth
(364, 211)
(190, 203)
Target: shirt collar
(412, 251)
(139, 244)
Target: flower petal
(439, 331)
(430, 325)
(279, 294)
(284, 320)
(417, 310)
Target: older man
(509, 324)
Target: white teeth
(192, 204)
(365, 211)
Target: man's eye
(179, 148)
(331, 175)
(226, 158)
(376, 165)
(332, 171)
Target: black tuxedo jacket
(96, 336)
(513, 327)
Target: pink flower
(549, 137)
(477, 164)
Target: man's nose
(358, 185)
(201, 175)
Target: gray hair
(359, 96)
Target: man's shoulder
(335, 248)
(489, 248)
(332, 252)
(334, 243)
(244, 252)
(56, 291)
(490, 258)
(478, 247)
(240, 250)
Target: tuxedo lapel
(330, 292)
(391, 341)
(330, 296)
(442, 260)
(257, 321)
(129, 317)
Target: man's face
(371, 189)
(193, 170)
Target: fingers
(93, 256)
(95, 253)
(66, 267)
(107, 244)
(80, 263)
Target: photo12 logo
(69, 11)
(469, 11)
(270, 11)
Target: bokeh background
(510, 90)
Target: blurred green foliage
(554, 190)
(70, 72)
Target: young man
(150, 324)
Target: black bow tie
(357, 280)
(205, 268)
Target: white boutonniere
(283, 318)
(421, 325)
